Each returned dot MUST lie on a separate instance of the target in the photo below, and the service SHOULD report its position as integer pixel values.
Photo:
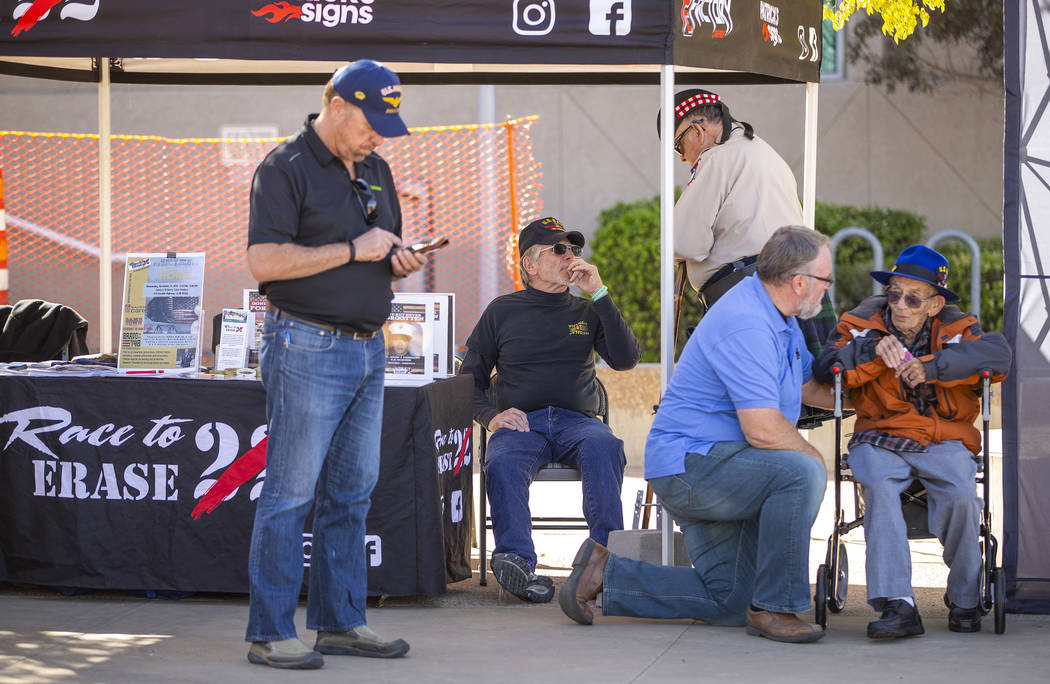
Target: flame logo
(279, 11)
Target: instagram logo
(533, 17)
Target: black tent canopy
(278, 42)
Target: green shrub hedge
(626, 250)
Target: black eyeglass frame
(560, 248)
(912, 301)
(367, 199)
(829, 281)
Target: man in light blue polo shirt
(726, 461)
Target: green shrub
(896, 230)
(854, 260)
(626, 250)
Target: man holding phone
(324, 241)
(541, 340)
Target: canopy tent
(425, 42)
(1026, 314)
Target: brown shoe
(781, 627)
(585, 582)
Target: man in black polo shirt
(324, 241)
(541, 341)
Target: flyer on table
(160, 318)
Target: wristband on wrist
(353, 251)
(600, 292)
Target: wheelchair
(832, 581)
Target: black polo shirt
(302, 193)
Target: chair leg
(483, 532)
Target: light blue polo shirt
(744, 354)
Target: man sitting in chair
(541, 341)
(911, 363)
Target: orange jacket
(959, 351)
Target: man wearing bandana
(740, 192)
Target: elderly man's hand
(913, 372)
(512, 419)
(585, 276)
(892, 352)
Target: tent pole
(809, 159)
(667, 335)
(105, 276)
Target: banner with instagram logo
(775, 38)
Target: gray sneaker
(360, 641)
(289, 654)
(514, 575)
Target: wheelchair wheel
(841, 584)
(820, 597)
(999, 609)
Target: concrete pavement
(469, 633)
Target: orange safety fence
(191, 195)
(3, 245)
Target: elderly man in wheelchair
(911, 362)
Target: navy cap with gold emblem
(546, 231)
(377, 91)
(919, 262)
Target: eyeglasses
(367, 199)
(829, 281)
(678, 138)
(910, 300)
(560, 249)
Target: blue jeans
(555, 435)
(324, 407)
(746, 515)
(947, 470)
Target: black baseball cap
(546, 231)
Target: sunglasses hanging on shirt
(367, 199)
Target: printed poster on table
(255, 302)
(409, 341)
(160, 317)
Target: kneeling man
(541, 341)
(728, 464)
(911, 363)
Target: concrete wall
(938, 155)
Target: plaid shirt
(922, 397)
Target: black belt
(334, 329)
(725, 278)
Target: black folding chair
(552, 472)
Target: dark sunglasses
(681, 136)
(910, 300)
(367, 199)
(560, 249)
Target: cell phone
(424, 247)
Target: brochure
(420, 334)
(235, 334)
(161, 313)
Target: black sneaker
(899, 619)
(514, 575)
(964, 619)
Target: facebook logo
(610, 17)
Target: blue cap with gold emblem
(377, 91)
(919, 262)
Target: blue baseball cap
(919, 262)
(377, 91)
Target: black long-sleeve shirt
(542, 346)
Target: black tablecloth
(101, 480)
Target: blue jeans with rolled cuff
(745, 515)
(555, 435)
(324, 408)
